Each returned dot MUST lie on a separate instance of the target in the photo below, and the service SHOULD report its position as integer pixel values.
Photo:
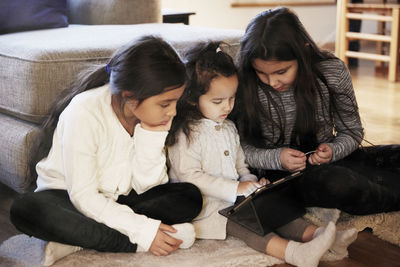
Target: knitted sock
(186, 233)
(338, 250)
(308, 254)
(55, 251)
(140, 249)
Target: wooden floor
(379, 103)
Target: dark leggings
(365, 182)
(293, 230)
(50, 215)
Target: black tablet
(267, 208)
(264, 188)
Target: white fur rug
(386, 226)
(23, 251)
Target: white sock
(343, 239)
(308, 254)
(185, 232)
(140, 249)
(55, 251)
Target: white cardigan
(96, 160)
(213, 161)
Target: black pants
(50, 215)
(365, 182)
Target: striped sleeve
(262, 158)
(347, 123)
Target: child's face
(280, 75)
(219, 100)
(156, 110)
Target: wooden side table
(175, 16)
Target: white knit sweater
(96, 160)
(213, 161)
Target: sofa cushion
(36, 65)
(17, 138)
(22, 15)
(114, 11)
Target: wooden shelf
(368, 56)
(368, 37)
(373, 17)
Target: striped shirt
(340, 137)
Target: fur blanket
(386, 226)
(23, 251)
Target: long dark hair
(278, 34)
(204, 62)
(144, 67)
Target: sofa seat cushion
(36, 65)
(17, 138)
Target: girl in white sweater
(204, 149)
(102, 181)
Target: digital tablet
(267, 208)
(264, 188)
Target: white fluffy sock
(308, 254)
(185, 232)
(343, 239)
(140, 249)
(55, 251)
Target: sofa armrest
(114, 11)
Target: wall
(319, 20)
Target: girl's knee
(21, 211)
(193, 197)
(334, 181)
(21, 205)
(184, 198)
(193, 191)
(34, 206)
(190, 192)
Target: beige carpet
(23, 251)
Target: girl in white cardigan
(102, 179)
(204, 149)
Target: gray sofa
(36, 65)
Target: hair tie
(218, 50)
(108, 70)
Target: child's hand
(164, 244)
(157, 128)
(322, 155)
(263, 181)
(247, 187)
(293, 160)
